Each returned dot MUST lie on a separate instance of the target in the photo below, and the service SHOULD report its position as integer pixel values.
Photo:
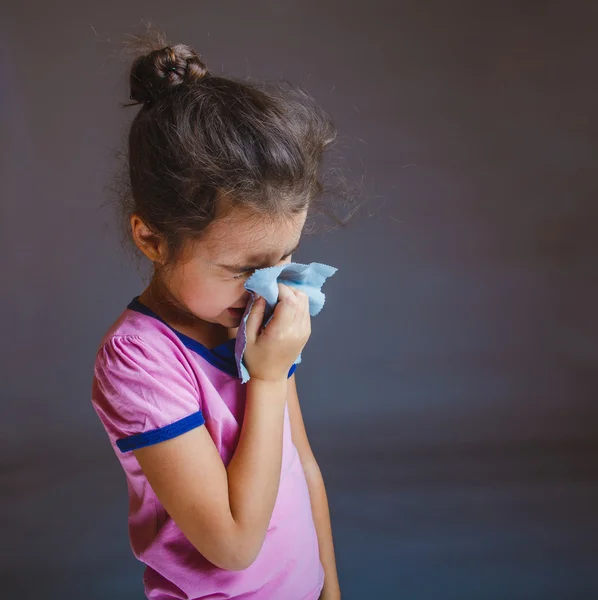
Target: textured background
(450, 384)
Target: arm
(223, 511)
(317, 494)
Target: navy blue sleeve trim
(148, 438)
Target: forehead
(240, 236)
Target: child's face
(210, 284)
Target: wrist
(267, 388)
(265, 395)
(273, 382)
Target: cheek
(206, 293)
(208, 297)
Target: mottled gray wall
(450, 384)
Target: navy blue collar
(222, 356)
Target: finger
(302, 306)
(255, 319)
(306, 314)
(284, 311)
(287, 293)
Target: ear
(150, 243)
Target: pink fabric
(146, 378)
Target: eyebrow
(248, 267)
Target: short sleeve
(144, 394)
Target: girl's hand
(270, 352)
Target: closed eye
(249, 271)
(246, 274)
(243, 271)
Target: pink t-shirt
(152, 383)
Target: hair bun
(161, 71)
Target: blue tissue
(264, 282)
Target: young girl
(226, 497)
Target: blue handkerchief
(264, 282)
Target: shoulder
(135, 363)
(139, 386)
(137, 338)
(137, 328)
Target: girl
(226, 497)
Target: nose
(244, 301)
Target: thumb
(255, 319)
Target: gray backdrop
(450, 384)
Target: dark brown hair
(201, 142)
